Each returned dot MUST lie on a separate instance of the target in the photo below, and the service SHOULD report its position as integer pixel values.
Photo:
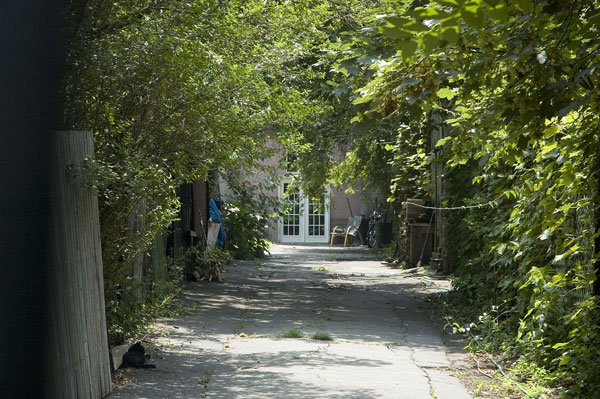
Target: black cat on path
(135, 357)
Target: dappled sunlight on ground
(232, 344)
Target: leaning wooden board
(117, 355)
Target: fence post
(78, 363)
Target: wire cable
(491, 203)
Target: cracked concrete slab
(231, 346)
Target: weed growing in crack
(204, 381)
(293, 333)
(322, 336)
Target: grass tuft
(293, 333)
(322, 336)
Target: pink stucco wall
(339, 209)
(344, 205)
(341, 204)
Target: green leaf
(415, 26)
(430, 42)
(473, 16)
(450, 34)
(397, 21)
(566, 207)
(450, 3)
(564, 360)
(590, 278)
(429, 13)
(499, 13)
(501, 248)
(407, 82)
(549, 147)
(443, 141)
(568, 174)
(363, 99)
(446, 92)
(414, 97)
(395, 32)
(557, 279)
(349, 66)
(408, 48)
(551, 131)
(524, 5)
(568, 253)
(341, 90)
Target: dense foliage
(247, 218)
(515, 83)
(171, 91)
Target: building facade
(305, 220)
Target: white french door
(304, 220)
(291, 224)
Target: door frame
(303, 237)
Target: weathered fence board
(136, 226)
(159, 258)
(200, 200)
(78, 363)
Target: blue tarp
(215, 217)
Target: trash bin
(383, 233)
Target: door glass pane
(291, 217)
(316, 217)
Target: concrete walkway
(232, 345)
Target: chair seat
(351, 230)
